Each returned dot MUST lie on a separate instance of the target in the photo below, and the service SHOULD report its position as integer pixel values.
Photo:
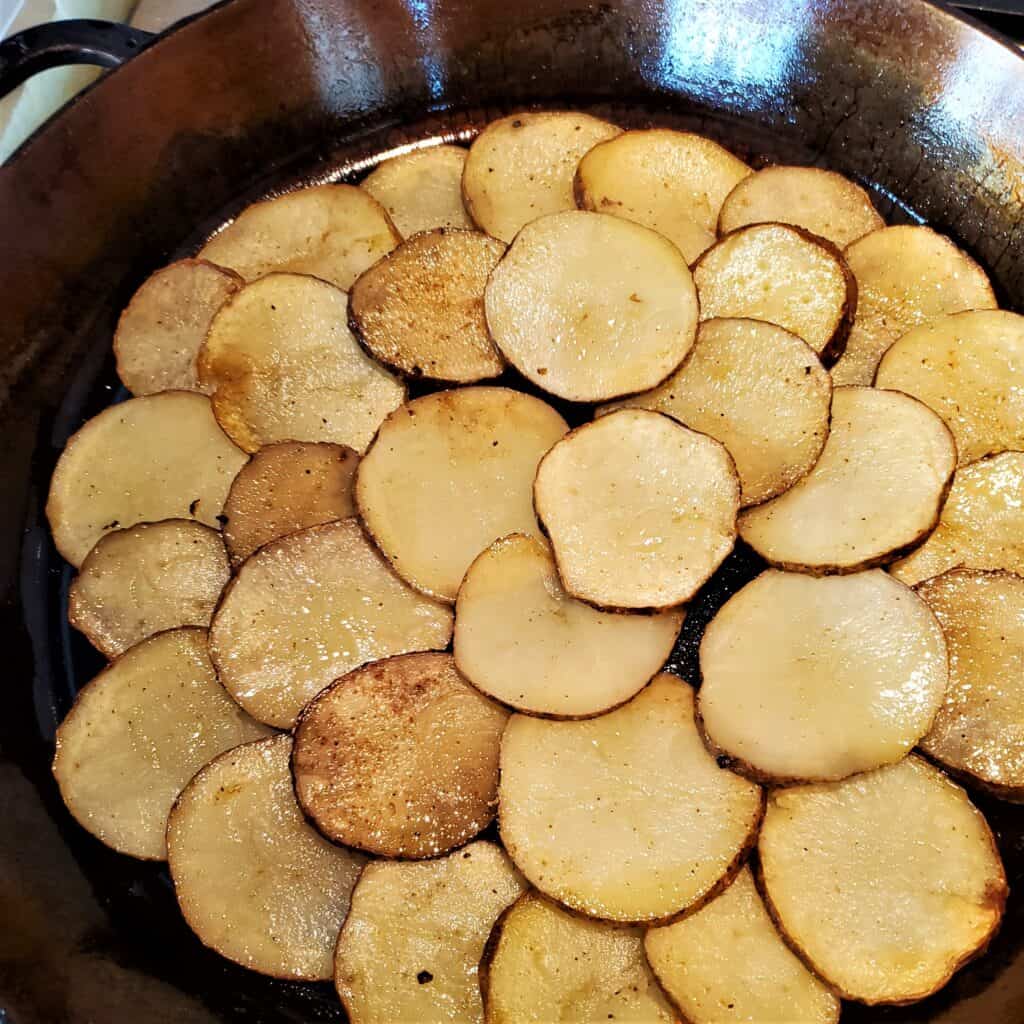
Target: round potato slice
(310, 607)
(163, 327)
(520, 638)
(671, 182)
(448, 475)
(521, 167)
(138, 732)
(885, 883)
(158, 457)
(640, 509)
(420, 310)
(906, 275)
(148, 578)
(728, 963)
(876, 490)
(333, 232)
(590, 307)
(254, 881)
(809, 679)
(399, 758)
(625, 817)
(412, 942)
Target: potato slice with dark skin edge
(420, 310)
(399, 758)
(146, 579)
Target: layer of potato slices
(157, 457)
(640, 509)
(399, 757)
(253, 879)
(138, 732)
(309, 607)
(876, 490)
(521, 167)
(591, 307)
(148, 578)
(411, 946)
(813, 679)
(885, 883)
(448, 475)
(672, 182)
(625, 817)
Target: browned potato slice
(448, 475)
(627, 816)
(413, 939)
(333, 232)
(810, 678)
(885, 883)
(148, 578)
(590, 307)
(520, 167)
(672, 182)
(254, 880)
(287, 487)
(161, 330)
(310, 607)
(152, 458)
(138, 732)
(876, 491)
(399, 757)
(906, 276)
(420, 310)
(640, 509)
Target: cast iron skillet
(923, 107)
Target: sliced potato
(521, 167)
(148, 578)
(590, 307)
(254, 881)
(161, 330)
(420, 310)
(138, 732)
(728, 963)
(876, 491)
(306, 609)
(625, 817)
(640, 509)
(158, 457)
(412, 942)
(399, 757)
(816, 679)
(672, 182)
(885, 883)
(448, 475)
(906, 275)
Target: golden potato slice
(625, 817)
(158, 457)
(412, 942)
(885, 883)
(521, 167)
(448, 475)
(672, 182)
(399, 757)
(640, 509)
(306, 609)
(590, 307)
(906, 275)
(876, 490)
(420, 310)
(148, 578)
(254, 880)
(138, 732)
